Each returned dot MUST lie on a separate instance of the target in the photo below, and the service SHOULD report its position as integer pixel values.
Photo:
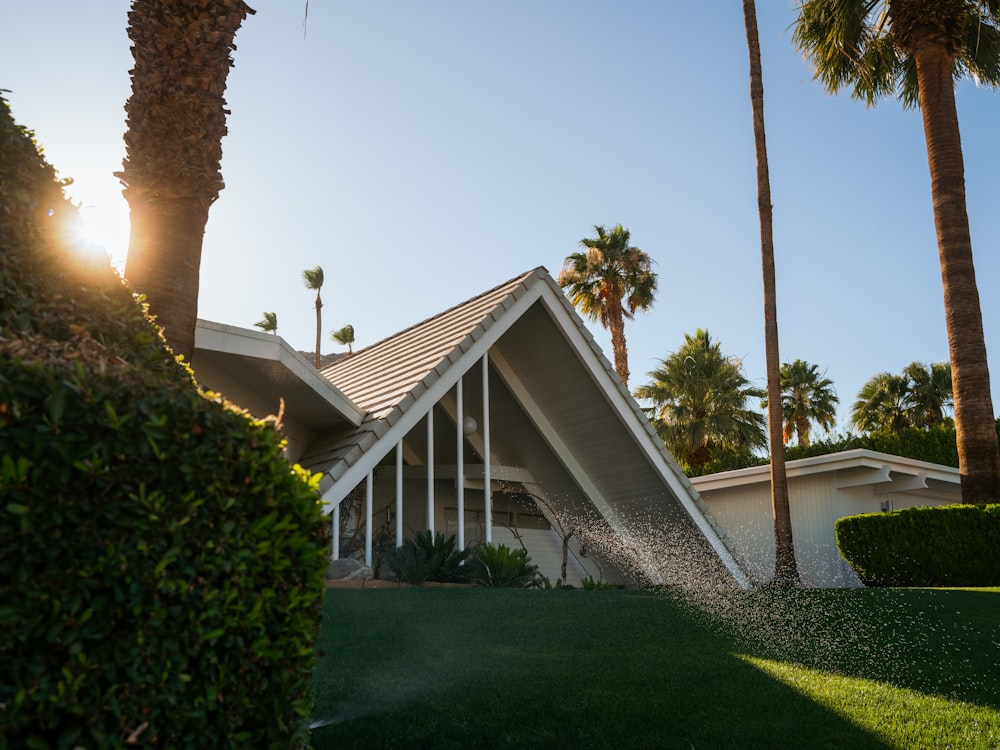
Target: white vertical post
(460, 463)
(487, 489)
(336, 531)
(399, 494)
(369, 499)
(430, 470)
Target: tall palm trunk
(785, 570)
(171, 172)
(978, 451)
(318, 358)
(616, 326)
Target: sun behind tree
(609, 282)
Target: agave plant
(498, 566)
(424, 558)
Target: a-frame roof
(558, 410)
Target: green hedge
(161, 562)
(954, 545)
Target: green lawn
(481, 668)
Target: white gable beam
(905, 483)
(861, 476)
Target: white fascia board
(448, 376)
(227, 339)
(856, 458)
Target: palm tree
(345, 337)
(269, 324)
(785, 570)
(313, 278)
(882, 404)
(807, 396)
(919, 398)
(173, 148)
(609, 281)
(700, 400)
(916, 50)
(930, 392)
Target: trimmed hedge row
(161, 565)
(954, 545)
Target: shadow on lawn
(549, 670)
(934, 641)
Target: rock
(348, 569)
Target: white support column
(430, 471)
(487, 493)
(460, 462)
(369, 499)
(336, 531)
(399, 494)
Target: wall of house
(816, 503)
(745, 514)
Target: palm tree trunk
(319, 328)
(785, 570)
(171, 172)
(168, 230)
(616, 326)
(978, 452)
(802, 431)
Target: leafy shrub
(498, 566)
(161, 566)
(425, 558)
(955, 545)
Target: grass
(483, 668)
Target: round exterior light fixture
(469, 425)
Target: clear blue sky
(424, 152)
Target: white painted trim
(487, 460)
(227, 339)
(460, 463)
(369, 500)
(430, 470)
(399, 494)
(336, 532)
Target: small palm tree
(345, 337)
(916, 50)
(269, 324)
(807, 396)
(930, 392)
(314, 280)
(609, 282)
(700, 401)
(882, 404)
(920, 398)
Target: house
(820, 490)
(498, 420)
